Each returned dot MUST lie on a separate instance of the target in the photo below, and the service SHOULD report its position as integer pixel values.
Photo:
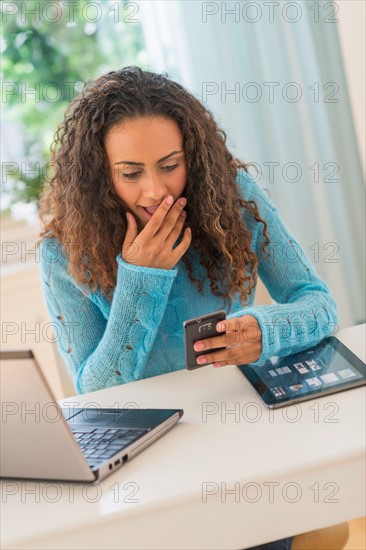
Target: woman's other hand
(243, 335)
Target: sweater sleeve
(305, 311)
(102, 350)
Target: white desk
(296, 469)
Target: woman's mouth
(149, 211)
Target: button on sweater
(139, 333)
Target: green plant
(44, 65)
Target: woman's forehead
(156, 137)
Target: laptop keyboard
(101, 444)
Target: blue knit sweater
(140, 332)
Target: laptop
(41, 440)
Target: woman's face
(147, 163)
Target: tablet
(326, 368)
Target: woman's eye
(134, 175)
(171, 167)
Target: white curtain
(272, 74)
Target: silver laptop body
(41, 440)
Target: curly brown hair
(79, 201)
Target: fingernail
(182, 201)
(201, 360)
(169, 200)
(183, 213)
(199, 346)
(220, 327)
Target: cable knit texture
(140, 333)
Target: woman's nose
(154, 188)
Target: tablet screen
(325, 368)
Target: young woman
(150, 221)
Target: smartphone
(198, 329)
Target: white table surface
(294, 470)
